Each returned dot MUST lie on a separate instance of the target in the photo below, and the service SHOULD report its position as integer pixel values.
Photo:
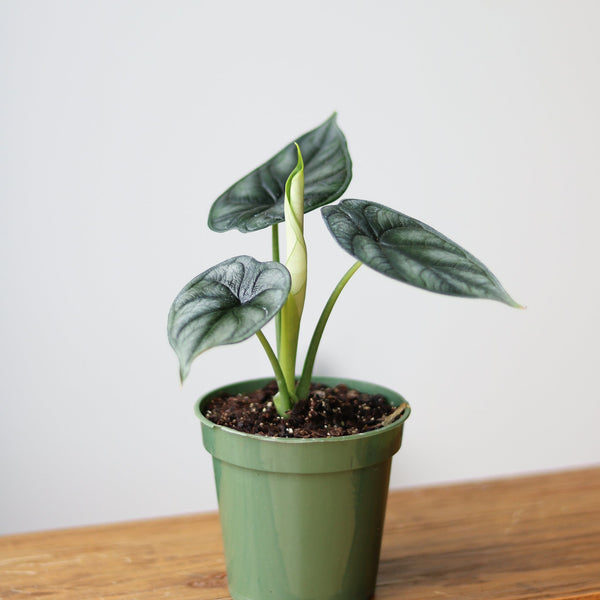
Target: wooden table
(519, 538)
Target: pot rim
(328, 380)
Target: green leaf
(224, 305)
(410, 251)
(257, 200)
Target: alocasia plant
(233, 300)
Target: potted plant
(302, 516)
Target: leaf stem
(275, 252)
(282, 399)
(275, 241)
(304, 383)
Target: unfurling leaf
(291, 312)
(224, 305)
(410, 251)
(257, 200)
(294, 233)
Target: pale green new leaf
(257, 200)
(410, 251)
(224, 305)
(294, 233)
(291, 312)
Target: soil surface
(327, 412)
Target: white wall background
(121, 122)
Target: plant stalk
(304, 384)
(275, 241)
(275, 252)
(282, 399)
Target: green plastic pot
(302, 519)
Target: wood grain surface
(521, 538)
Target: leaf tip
(513, 303)
(183, 373)
(300, 165)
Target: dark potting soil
(327, 412)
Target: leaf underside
(226, 304)
(256, 201)
(410, 251)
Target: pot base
(302, 519)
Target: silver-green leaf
(410, 251)
(257, 200)
(224, 305)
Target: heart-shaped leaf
(224, 305)
(257, 200)
(410, 251)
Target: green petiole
(275, 253)
(282, 399)
(304, 383)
